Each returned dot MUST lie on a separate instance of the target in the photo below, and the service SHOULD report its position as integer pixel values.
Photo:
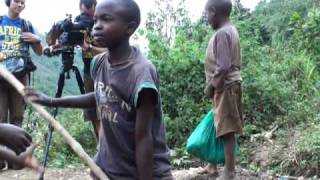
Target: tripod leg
(49, 139)
(46, 152)
(79, 79)
(60, 84)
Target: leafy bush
(60, 154)
(280, 80)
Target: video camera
(68, 37)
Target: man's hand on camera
(37, 97)
(86, 47)
(31, 38)
(14, 137)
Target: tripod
(67, 66)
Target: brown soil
(83, 174)
(51, 174)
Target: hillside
(47, 74)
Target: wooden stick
(77, 148)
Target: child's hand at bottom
(26, 159)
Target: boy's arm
(143, 133)
(81, 101)
(223, 60)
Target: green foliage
(280, 70)
(307, 32)
(279, 60)
(61, 155)
(45, 78)
(276, 14)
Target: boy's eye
(106, 18)
(19, 1)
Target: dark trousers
(12, 105)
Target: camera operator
(84, 22)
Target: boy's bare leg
(229, 146)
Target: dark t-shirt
(117, 88)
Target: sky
(43, 13)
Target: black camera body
(69, 35)
(72, 38)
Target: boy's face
(110, 28)
(212, 16)
(16, 6)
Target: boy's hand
(26, 159)
(209, 91)
(14, 137)
(37, 97)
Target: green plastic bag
(203, 143)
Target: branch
(77, 148)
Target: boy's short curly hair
(7, 2)
(222, 6)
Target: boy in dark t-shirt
(132, 144)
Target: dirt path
(83, 174)
(51, 174)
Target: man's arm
(95, 49)
(37, 48)
(143, 133)
(34, 40)
(81, 101)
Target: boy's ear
(132, 26)
(212, 10)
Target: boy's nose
(96, 27)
